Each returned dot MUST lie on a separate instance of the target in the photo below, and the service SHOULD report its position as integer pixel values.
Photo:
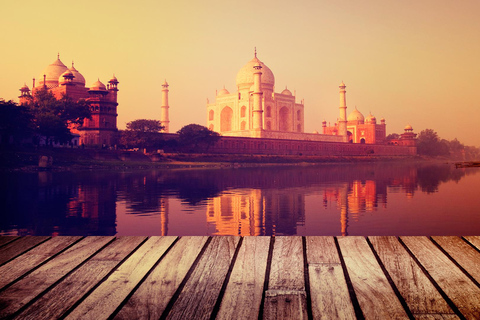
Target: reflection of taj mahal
(256, 110)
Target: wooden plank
(152, 297)
(57, 301)
(200, 293)
(286, 296)
(23, 291)
(418, 292)
(285, 304)
(475, 240)
(322, 250)
(436, 316)
(31, 259)
(243, 294)
(105, 299)
(369, 282)
(7, 239)
(286, 271)
(328, 287)
(462, 253)
(18, 247)
(456, 285)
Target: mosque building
(61, 80)
(255, 110)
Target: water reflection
(319, 200)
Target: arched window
(299, 114)
(226, 119)
(299, 128)
(242, 125)
(362, 140)
(210, 115)
(269, 125)
(243, 111)
(269, 111)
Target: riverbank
(64, 159)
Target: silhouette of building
(102, 100)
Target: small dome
(287, 92)
(25, 88)
(342, 84)
(370, 119)
(114, 80)
(79, 79)
(245, 75)
(223, 92)
(98, 86)
(408, 127)
(52, 73)
(315, 132)
(356, 116)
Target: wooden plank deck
(240, 278)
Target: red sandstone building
(60, 80)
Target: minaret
(342, 121)
(257, 98)
(164, 115)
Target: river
(335, 199)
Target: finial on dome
(255, 52)
(73, 64)
(58, 55)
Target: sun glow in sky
(410, 62)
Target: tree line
(48, 118)
(430, 144)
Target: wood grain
(286, 271)
(152, 297)
(285, 304)
(198, 297)
(462, 253)
(328, 287)
(243, 294)
(286, 296)
(369, 282)
(102, 302)
(418, 292)
(31, 259)
(475, 240)
(456, 285)
(7, 239)
(29, 287)
(16, 248)
(57, 301)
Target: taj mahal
(256, 110)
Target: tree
(428, 143)
(16, 122)
(194, 136)
(144, 125)
(53, 117)
(393, 136)
(142, 133)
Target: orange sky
(410, 61)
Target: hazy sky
(412, 62)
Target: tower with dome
(60, 80)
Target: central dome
(356, 116)
(52, 74)
(245, 75)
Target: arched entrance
(226, 119)
(284, 120)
